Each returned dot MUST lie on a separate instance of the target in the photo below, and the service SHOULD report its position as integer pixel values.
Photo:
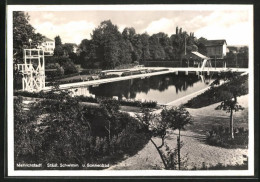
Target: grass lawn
(207, 117)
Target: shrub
(67, 132)
(69, 67)
(52, 74)
(212, 95)
(81, 98)
(108, 76)
(219, 136)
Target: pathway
(197, 151)
(194, 147)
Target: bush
(63, 131)
(220, 136)
(65, 62)
(52, 74)
(108, 76)
(90, 71)
(212, 95)
(69, 67)
(131, 73)
(81, 98)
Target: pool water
(161, 88)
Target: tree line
(108, 47)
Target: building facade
(48, 46)
(216, 48)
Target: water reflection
(162, 88)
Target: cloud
(209, 24)
(236, 34)
(232, 26)
(162, 25)
(71, 32)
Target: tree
(145, 47)
(155, 48)
(58, 51)
(106, 39)
(153, 126)
(57, 40)
(157, 125)
(201, 45)
(178, 118)
(235, 86)
(110, 108)
(68, 48)
(128, 33)
(22, 32)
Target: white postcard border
(10, 125)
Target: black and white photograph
(130, 90)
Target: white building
(216, 48)
(48, 46)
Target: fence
(184, 63)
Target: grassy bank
(215, 94)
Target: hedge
(81, 98)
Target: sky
(74, 26)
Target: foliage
(238, 58)
(234, 88)
(63, 131)
(81, 98)
(216, 94)
(108, 48)
(177, 117)
(57, 73)
(24, 37)
(220, 136)
(158, 124)
(109, 76)
(65, 62)
(22, 32)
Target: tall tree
(22, 33)
(155, 48)
(58, 51)
(236, 86)
(201, 45)
(145, 47)
(106, 39)
(57, 40)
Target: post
(215, 62)
(185, 45)
(179, 149)
(236, 60)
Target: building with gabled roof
(48, 46)
(216, 48)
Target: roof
(195, 55)
(199, 55)
(47, 39)
(215, 42)
(232, 48)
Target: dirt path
(194, 147)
